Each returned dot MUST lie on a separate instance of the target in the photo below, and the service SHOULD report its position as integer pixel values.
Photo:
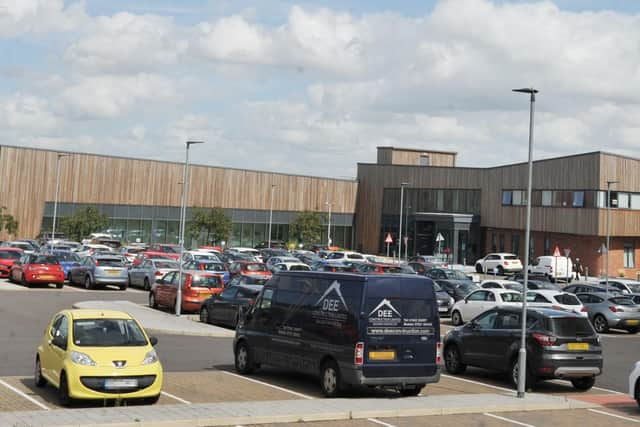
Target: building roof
(417, 150)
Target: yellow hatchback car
(98, 354)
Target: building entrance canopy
(458, 238)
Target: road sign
(388, 239)
(439, 238)
(567, 252)
(556, 251)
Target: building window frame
(547, 198)
(629, 255)
(507, 197)
(578, 199)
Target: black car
(445, 301)
(532, 276)
(589, 288)
(223, 308)
(246, 279)
(535, 284)
(560, 345)
(438, 273)
(457, 289)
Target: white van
(554, 267)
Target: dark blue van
(350, 329)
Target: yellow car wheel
(63, 391)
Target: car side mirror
(153, 341)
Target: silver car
(145, 274)
(100, 270)
(619, 312)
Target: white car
(90, 249)
(556, 300)
(480, 301)
(249, 251)
(501, 284)
(290, 266)
(626, 286)
(271, 262)
(502, 262)
(93, 236)
(199, 256)
(634, 382)
(346, 256)
(554, 267)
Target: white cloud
(18, 17)
(29, 114)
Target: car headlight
(82, 359)
(150, 357)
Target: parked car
(197, 286)
(553, 267)
(31, 269)
(446, 273)
(143, 256)
(582, 287)
(211, 266)
(275, 244)
(559, 345)
(383, 268)
(230, 257)
(618, 312)
(334, 266)
(346, 256)
(67, 260)
(501, 284)
(92, 249)
(557, 300)
(199, 256)
(223, 308)
(243, 279)
(445, 301)
(480, 301)
(626, 286)
(248, 268)
(100, 270)
(248, 252)
(502, 262)
(431, 260)
(145, 274)
(7, 257)
(76, 356)
(634, 383)
(26, 247)
(279, 260)
(171, 250)
(531, 276)
(383, 331)
(536, 284)
(291, 266)
(131, 252)
(457, 289)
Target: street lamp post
(402, 185)
(522, 356)
(606, 269)
(329, 225)
(273, 187)
(183, 214)
(55, 200)
(406, 233)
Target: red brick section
(583, 247)
(608, 400)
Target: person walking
(577, 267)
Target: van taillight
(439, 354)
(251, 301)
(545, 340)
(358, 356)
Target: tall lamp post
(55, 200)
(183, 214)
(406, 233)
(606, 269)
(522, 359)
(402, 185)
(273, 187)
(329, 225)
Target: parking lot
(200, 370)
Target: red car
(7, 257)
(249, 268)
(166, 248)
(380, 268)
(37, 268)
(198, 286)
(142, 257)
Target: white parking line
(606, 389)
(186, 402)
(26, 396)
(509, 420)
(304, 396)
(635, 420)
(382, 423)
(479, 383)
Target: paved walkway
(159, 321)
(235, 413)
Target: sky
(313, 88)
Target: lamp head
(190, 143)
(531, 91)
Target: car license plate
(443, 309)
(47, 276)
(633, 322)
(114, 383)
(382, 355)
(205, 295)
(578, 346)
(113, 272)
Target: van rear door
(401, 327)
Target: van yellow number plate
(578, 346)
(382, 355)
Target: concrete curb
(267, 412)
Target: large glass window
(623, 200)
(547, 198)
(517, 198)
(635, 201)
(515, 244)
(507, 198)
(578, 199)
(629, 258)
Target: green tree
(83, 223)
(214, 223)
(7, 222)
(307, 226)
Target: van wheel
(600, 324)
(479, 268)
(583, 384)
(529, 379)
(243, 362)
(453, 360)
(330, 380)
(456, 318)
(412, 391)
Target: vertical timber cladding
(28, 181)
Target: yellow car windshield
(107, 333)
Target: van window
(265, 302)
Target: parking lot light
(606, 269)
(402, 185)
(522, 355)
(55, 200)
(329, 225)
(183, 211)
(273, 187)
